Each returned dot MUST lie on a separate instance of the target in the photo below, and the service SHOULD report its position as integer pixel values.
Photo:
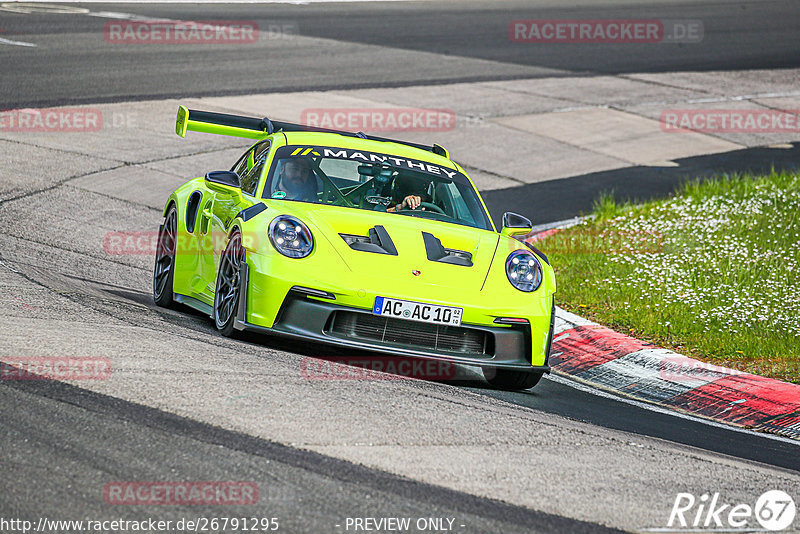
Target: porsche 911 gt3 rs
(355, 241)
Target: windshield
(371, 181)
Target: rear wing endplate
(221, 124)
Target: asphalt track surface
(50, 432)
(86, 437)
(463, 41)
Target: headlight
(290, 237)
(524, 270)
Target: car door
(225, 207)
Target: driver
(409, 192)
(297, 180)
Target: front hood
(406, 233)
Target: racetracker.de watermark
(145, 243)
(605, 241)
(375, 368)
(51, 120)
(730, 121)
(181, 493)
(64, 120)
(182, 32)
(54, 368)
(678, 368)
(606, 31)
(380, 119)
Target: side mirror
(514, 225)
(224, 182)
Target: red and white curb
(592, 354)
(604, 359)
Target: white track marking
(566, 223)
(15, 43)
(655, 408)
(652, 373)
(126, 16)
(40, 7)
(296, 2)
(567, 321)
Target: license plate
(417, 311)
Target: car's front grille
(413, 334)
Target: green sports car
(356, 241)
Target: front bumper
(311, 318)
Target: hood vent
(436, 252)
(377, 242)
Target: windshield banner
(367, 157)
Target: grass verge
(711, 272)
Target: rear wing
(220, 123)
(255, 128)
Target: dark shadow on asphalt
(354, 364)
(561, 399)
(548, 396)
(360, 490)
(557, 200)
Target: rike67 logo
(773, 511)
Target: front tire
(511, 380)
(228, 288)
(164, 270)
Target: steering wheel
(428, 205)
(378, 200)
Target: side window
(240, 167)
(250, 166)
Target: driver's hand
(411, 202)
